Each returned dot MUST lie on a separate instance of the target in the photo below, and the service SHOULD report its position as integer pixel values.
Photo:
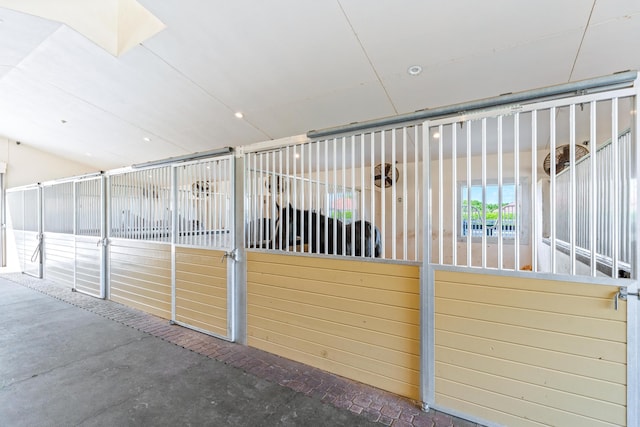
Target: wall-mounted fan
(388, 176)
(563, 157)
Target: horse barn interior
(445, 212)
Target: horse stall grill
(139, 239)
(531, 241)
(355, 196)
(25, 228)
(59, 251)
(204, 240)
(332, 241)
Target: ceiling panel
(610, 45)
(434, 33)
(487, 75)
(282, 52)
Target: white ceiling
(289, 66)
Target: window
(343, 205)
(500, 215)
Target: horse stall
(24, 228)
(204, 246)
(514, 309)
(139, 239)
(532, 249)
(73, 233)
(333, 278)
(171, 241)
(59, 251)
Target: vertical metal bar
(572, 186)
(354, 201)
(278, 185)
(615, 146)
(334, 249)
(440, 196)
(405, 255)
(484, 193)
(500, 191)
(318, 203)
(372, 184)
(394, 195)
(326, 193)
(454, 192)
(343, 240)
(383, 204)
(416, 181)
(275, 214)
(534, 192)
(363, 193)
(311, 193)
(552, 190)
(303, 208)
(517, 211)
(427, 285)
(469, 219)
(294, 178)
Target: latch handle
(233, 254)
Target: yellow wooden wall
(88, 265)
(201, 289)
(356, 319)
(59, 252)
(525, 352)
(140, 275)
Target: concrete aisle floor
(64, 366)
(69, 359)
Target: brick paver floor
(374, 404)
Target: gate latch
(233, 254)
(623, 294)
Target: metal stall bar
(615, 146)
(500, 190)
(454, 191)
(516, 179)
(572, 186)
(534, 190)
(394, 196)
(440, 140)
(484, 192)
(593, 201)
(383, 201)
(405, 199)
(552, 190)
(469, 221)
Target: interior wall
(27, 165)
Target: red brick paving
(373, 404)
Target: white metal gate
(25, 225)
(203, 250)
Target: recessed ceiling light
(88, 154)
(63, 121)
(414, 70)
(436, 135)
(146, 139)
(297, 155)
(239, 115)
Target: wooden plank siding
(59, 251)
(88, 265)
(201, 289)
(529, 352)
(140, 275)
(356, 319)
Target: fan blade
(388, 182)
(377, 177)
(387, 168)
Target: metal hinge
(623, 294)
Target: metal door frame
(231, 252)
(38, 249)
(102, 239)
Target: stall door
(59, 242)
(90, 237)
(25, 226)
(204, 247)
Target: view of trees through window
(491, 222)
